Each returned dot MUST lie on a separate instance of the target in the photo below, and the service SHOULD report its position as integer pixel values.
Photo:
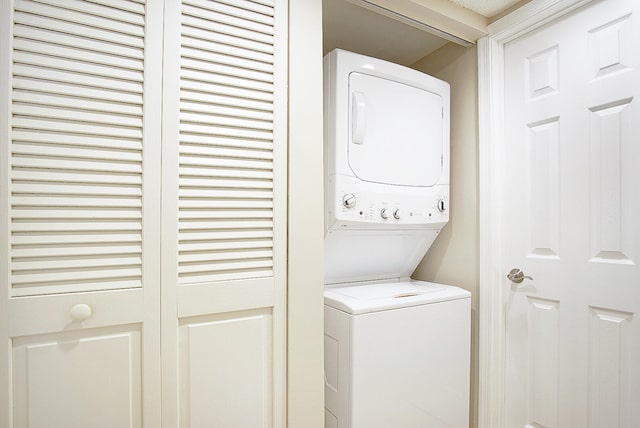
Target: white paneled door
(79, 319)
(142, 213)
(224, 214)
(572, 220)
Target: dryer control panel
(355, 205)
(361, 210)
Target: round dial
(384, 214)
(442, 205)
(349, 200)
(397, 214)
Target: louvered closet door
(79, 214)
(224, 197)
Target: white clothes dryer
(386, 167)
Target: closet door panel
(79, 213)
(89, 378)
(230, 384)
(224, 190)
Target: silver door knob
(516, 276)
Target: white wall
(453, 258)
(306, 227)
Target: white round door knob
(80, 312)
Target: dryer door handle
(358, 121)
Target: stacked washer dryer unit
(396, 350)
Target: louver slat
(76, 252)
(210, 100)
(76, 114)
(89, 274)
(67, 28)
(226, 141)
(64, 165)
(81, 140)
(77, 92)
(73, 213)
(47, 46)
(79, 190)
(237, 9)
(225, 173)
(108, 9)
(214, 57)
(90, 17)
(31, 66)
(194, 43)
(71, 102)
(66, 201)
(220, 37)
(226, 121)
(210, 65)
(81, 237)
(212, 204)
(51, 151)
(76, 146)
(259, 6)
(208, 76)
(89, 45)
(211, 183)
(221, 110)
(203, 19)
(268, 3)
(77, 262)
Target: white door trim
(491, 148)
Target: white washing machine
(397, 355)
(396, 350)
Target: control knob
(349, 200)
(384, 214)
(397, 214)
(442, 206)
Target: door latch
(516, 276)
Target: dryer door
(395, 132)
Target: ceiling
(486, 8)
(352, 27)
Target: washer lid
(375, 297)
